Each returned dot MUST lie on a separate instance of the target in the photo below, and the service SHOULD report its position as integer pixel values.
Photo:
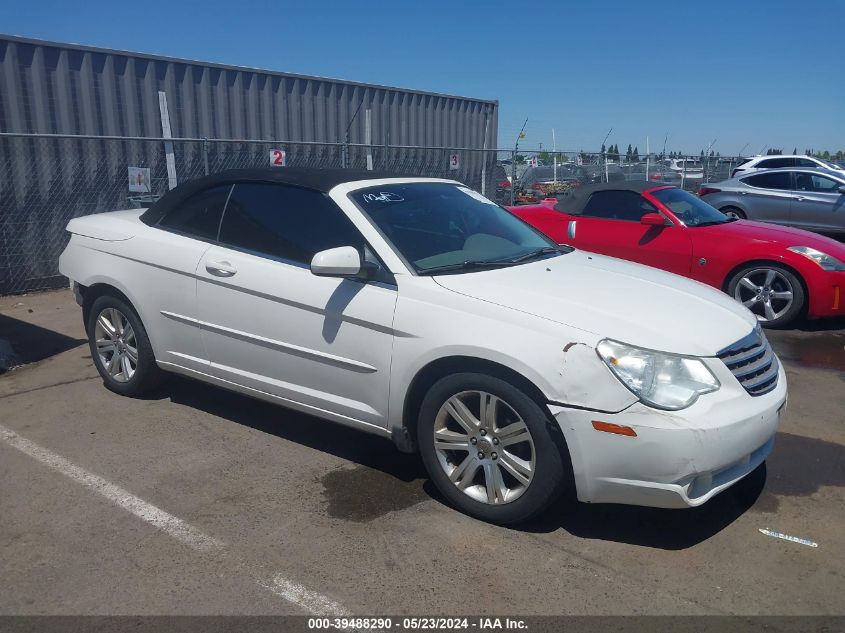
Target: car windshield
(441, 227)
(690, 209)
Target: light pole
(604, 156)
(513, 160)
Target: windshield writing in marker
(383, 196)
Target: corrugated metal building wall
(48, 87)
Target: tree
(603, 150)
(519, 158)
(629, 154)
(544, 157)
(636, 155)
(795, 151)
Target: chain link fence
(46, 180)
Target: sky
(747, 74)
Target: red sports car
(777, 272)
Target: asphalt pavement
(199, 501)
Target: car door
(817, 203)
(767, 196)
(610, 224)
(270, 325)
(174, 248)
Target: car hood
(612, 298)
(773, 234)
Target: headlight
(827, 262)
(663, 381)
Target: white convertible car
(416, 309)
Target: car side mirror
(343, 261)
(842, 189)
(653, 219)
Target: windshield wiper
(546, 250)
(470, 264)
(714, 222)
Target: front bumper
(678, 459)
(827, 294)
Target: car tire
(733, 212)
(516, 448)
(771, 283)
(120, 347)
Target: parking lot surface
(195, 500)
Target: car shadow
(363, 449)
(22, 342)
(653, 527)
(820, 325)
(381, 479)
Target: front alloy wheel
(493, 451)
(484, 447)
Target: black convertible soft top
(322, 180)
(575, 200)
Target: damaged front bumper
(677, 459)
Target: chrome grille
(753, 362)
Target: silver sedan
(811, 199)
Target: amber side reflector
(836, 297)
(618, 429)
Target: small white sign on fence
(139, 179)
(277, 158)
(454, 162)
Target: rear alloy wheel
(773, 293)
(733, 212)
(120, 347)
(489, 448)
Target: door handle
(220, 269)
(798, 198)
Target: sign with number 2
(277, 158)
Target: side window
(773, 180)
(200, 214)
(775, 163)
(617, 205)
(814, 182)
(806, 162)
(285, 222)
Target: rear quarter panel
(155, 269)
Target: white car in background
(418, 310)
(689, 169)
(759, 163)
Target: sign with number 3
(277, 158)
(454, 162)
